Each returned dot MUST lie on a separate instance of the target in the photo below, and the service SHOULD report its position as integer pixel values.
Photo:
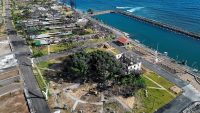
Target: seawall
(153, 22)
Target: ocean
(184, 14)
(181, 13)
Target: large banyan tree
(102, 68)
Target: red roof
(123, 40)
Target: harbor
(153, 22)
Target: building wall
(135, 67)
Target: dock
(152, 22)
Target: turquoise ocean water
(181, 13)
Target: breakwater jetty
(153, 22)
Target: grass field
(40, 82)
(39, 51)
(45, 64)
(41, 78)
(160, 80)
(149, 83)
(112, 50)
(65, 46)
(156, 97)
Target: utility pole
(156, 55)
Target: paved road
(22, 51)
(35, 95)
(169, 76)
(175, 106)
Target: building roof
(123, 40)
(37, 43)
(42, 36)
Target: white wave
(123, 7)
(135, 9)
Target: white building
(129, 63)
(135, 66)
(42, 36)
(7, 61)
(81, 22)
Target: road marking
(155, 88)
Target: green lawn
(89, 50)
(114, 51)
(45, 64)
(149, 83)
(39, 51)
(40, 82)
(98, 40)
(65, 46)
(160, 80)
(156, 99)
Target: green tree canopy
(102, 68)
(96, 66)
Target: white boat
(126, 34)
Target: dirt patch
(88, 108)
(82, 90)
(58, 98)
(113, 107)
(130, 101)
(2, 37)
(9, 73)
(13, 103)
(4, 48)
(91, 98)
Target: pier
(153, 22)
